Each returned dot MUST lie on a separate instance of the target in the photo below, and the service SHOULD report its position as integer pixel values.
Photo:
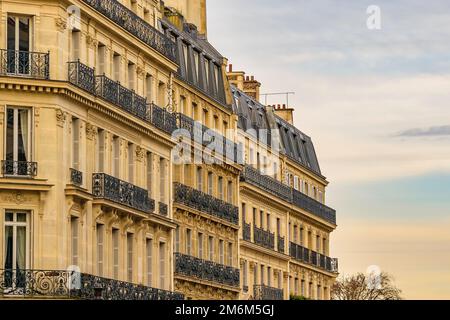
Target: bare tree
(366, 287)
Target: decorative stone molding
(91, 131)
(2, 114)
(61, 24)
(91, 41)
(140, 70)
(17, 197)
(37, 114)
(61, 117)
(140, 154)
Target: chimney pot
(253, 78)
(231, 67)
(284, 106)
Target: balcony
(247, 232)
(262, 292)
(264, 238)
(309, 204)
(206, 270)
(313, 258)
(35, 65)
(113, 92)
(76, 177)
(121, 192)
(129, 21)
(72, 285)
(206, 137)
(163, 209)
(275, 187)
(203, 202)
(281, 243)
(20, 169)
(266, 183)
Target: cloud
(428, 132)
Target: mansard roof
(254, 116)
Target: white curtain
(23, 118)
(21, 248)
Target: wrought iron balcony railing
(121, 192)
(262, 292)
(281, 243)
(311, 205)
(206, 270)
(113, 92)
(19, 168)
(25, 64)
(205, 203)
(126, 99)
(275, 187)
(162, 119)
(73, 285)
(82, 76)
(313, 258)
(76, 177)
(268, 184)
(264, 238)
(129, 21)
(247, 232)
(163, 209)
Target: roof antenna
(266, 95)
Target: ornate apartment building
(134, 166)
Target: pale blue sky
(377, 105)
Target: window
(177, 240)
(261, 219)
(131, 163)
(303, 288)
(115, 253)
(310, 291)
(101, 55)
(230, 254)
(220, 188)
(149, 172)
(199, 179)
(230, 192)
(221, 252)
(162, 265)
(74, 240)
(130, 257)
(269, 276)
(301, 235)
(254, 217)
(206, 62)
(100, 248)
(318, 244)
(148, 87)
(278, 227)
(262, 275)
(319, 292)
(101, 151)
(295, 234)
(16, 242)
(188, 241)
(131, 76)
(244, 213)
(210, 183)
(268, 222)
(205, 117)
(216, 77)
(185, 56)
(296, 286)
(197, 65)
(194, 111)
(18, 142)
(211, 248)
(116, 66)
(182, 105)
(200, 246)
(75, 42)
(149, 252)
(76, 144)
(296, 183)
(324, 246)
(19, 43)
(245, 275)
(162, 176)
(116, 157)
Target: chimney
(252, 87)
(194, 11)
(284, 112)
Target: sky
(376, 103)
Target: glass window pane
(8, 247)
(10, 135)
(23, 136)
(24, 34)
(11, 33)
(9, 217)
(21, 217)
(21, 248)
